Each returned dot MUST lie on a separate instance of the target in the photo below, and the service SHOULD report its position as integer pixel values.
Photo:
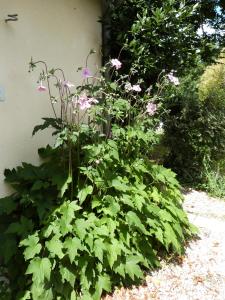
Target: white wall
(60, 32)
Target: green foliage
(125, 210)
(214, 181)
(98, 211)
(157, 35)
(162, 36)
(195, 125)
(211, 85)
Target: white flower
(136, 88)
(159, 129)
(116, 63)
(128, 87)
(151, 108)
(173, 79)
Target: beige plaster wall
(60, 32)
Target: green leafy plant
(214, 183)
(167, 34)
(183, 36)
(98, 210)
(194, 125)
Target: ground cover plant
(99, 209)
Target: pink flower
(84, 102)
(151, 108)
(68, 84)
(173, 79)
(86, 73)
(41, 87)
(136, 88)
(116, 63)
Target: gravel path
(201, 273)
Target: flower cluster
(122, 99)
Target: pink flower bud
(68, 84)
(41, 88)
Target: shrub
(195, 124)
(158, 35)
(211, 85)
(182, 127)
(98, 210)
(212, 96)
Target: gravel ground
(200, 275)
